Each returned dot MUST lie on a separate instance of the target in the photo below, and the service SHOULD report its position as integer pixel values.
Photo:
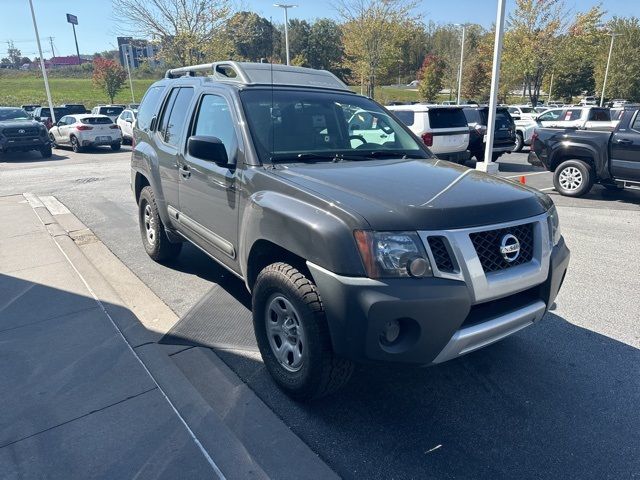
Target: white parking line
(546, 189)
(527, 174)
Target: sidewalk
(76, 402)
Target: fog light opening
(417, 267)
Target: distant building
(71, 60)
(136, 50)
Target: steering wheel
(357, 137)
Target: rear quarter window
(149, 107)
(407, 117)
(447, 118)
(472, 115)
(96, 121)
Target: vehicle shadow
(630, 196)
(553, 401)
(31, 157)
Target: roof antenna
(271, 112)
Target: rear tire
(75, 145)
(53, 141)
(293, 336)
(115, 146)
(154, 239)
(573, 178)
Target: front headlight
(554, 226)
(392, 254)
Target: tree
(623, 80)
(531, 42)
(187, 30)
(476, 78)
(371, 33)
(573, 72)
(324, 47)
(109, 76)
(250, 36)
(14, 54)
(431, 77)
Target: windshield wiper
(301, 157)
(379, 154)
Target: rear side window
(636, 122)
(408, 117)
(447, 118)
(503, 119)
(111, 110)
(96, 121)
(149, 107)
(571, 114)
(472, 115)
(599, 115)
(178, 116)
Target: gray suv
(354, 249)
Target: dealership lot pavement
(556, 400)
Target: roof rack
(262, 74)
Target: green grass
(15, 91)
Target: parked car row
(456, 133)
(23, 132)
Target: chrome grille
(441, 254)
(15, 132)
(487, 245)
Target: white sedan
(125, 121)
(85, 130)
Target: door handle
(624, 141)
(185, 171)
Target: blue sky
(98, 27)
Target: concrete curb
(225, 452)
(203, 406)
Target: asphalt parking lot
(556, 400)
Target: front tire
(53, 141)
(154, 239)
(573, 178)
(293, 336)
(519, 142)
(46, 152)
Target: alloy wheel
(570, 178)
(149, 224)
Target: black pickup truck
(580, 158)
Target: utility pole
(464, 27)
(606, 72)
(44, 70)
(53, 52)
(286, 7)
(488, 165)
(126, 57)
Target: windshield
(315, 126)
(111, 110)
(13, 114)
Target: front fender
(567, 149)
(312, 233)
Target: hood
(19, 124)
(425, 194)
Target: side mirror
(37, 119)
(128, 120)
(209, 148)
(59, 124)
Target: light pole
(606, 72)
(487, 165)
(126, 57)
(286, 7)
(464, 28)
(44, 70)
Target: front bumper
(23, 144)
(439, 317)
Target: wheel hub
(570, 178)
(149, 224)
(285, 332)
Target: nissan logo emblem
(22, 130)
(510, 248)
